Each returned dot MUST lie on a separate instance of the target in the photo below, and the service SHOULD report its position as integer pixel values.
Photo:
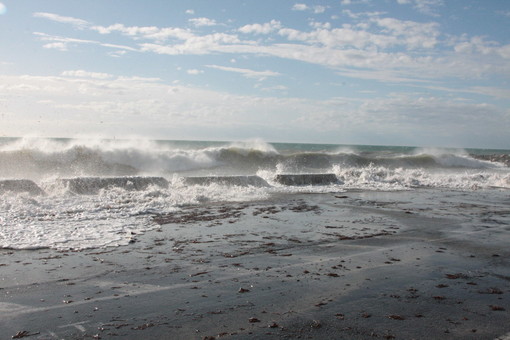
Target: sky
(372, 72)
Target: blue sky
(392, 72)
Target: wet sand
(425, 264)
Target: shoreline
(353, 265)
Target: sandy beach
(424, 264)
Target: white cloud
(259, 75)
(431, 111)
(319, 9)
(146, 32)
(265, 28)
(452, 121)
(120, 47)
(320, 25)
(194, 72)
(352, 2)
(66, 106)
(376, 46)
(146, 105)
(117, 54)
(79, 23)
(428, 6)
(127, 30)
(300, 7)
(199, 22)
(190, 11)
(339, 38)
(62, 43)
(416, 35)
(199, 45)
(275, 88)
(360, 15)
(60, 46)
(331, 47)
(85, 74)
(478, 45)
(347, 47)
(419, 55)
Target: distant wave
(39, 158)
(46, 158)
(494, 158)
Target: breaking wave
(76, 194)
(38, 159)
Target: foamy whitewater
(86, 193)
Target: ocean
(72, 194)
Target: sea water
(88, 193)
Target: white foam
(382, 178)
(112, 217)
(251, 145)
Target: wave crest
(37, 159)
